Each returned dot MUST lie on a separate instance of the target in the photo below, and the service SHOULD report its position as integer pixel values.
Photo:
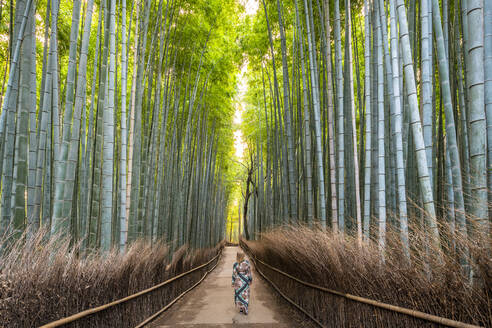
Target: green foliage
(213, 27)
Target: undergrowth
(432, 281)
(44, 281)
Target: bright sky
(239, 144)
(251, 7)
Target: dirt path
(211, 303)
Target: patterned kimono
(241, 279)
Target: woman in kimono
(241, 280)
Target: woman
(241, 280)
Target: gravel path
(211, 303)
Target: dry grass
(37, 286)
(426, 283)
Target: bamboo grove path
(211, 303)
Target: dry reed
(38, 286)
(427, 282)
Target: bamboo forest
(334, 155)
